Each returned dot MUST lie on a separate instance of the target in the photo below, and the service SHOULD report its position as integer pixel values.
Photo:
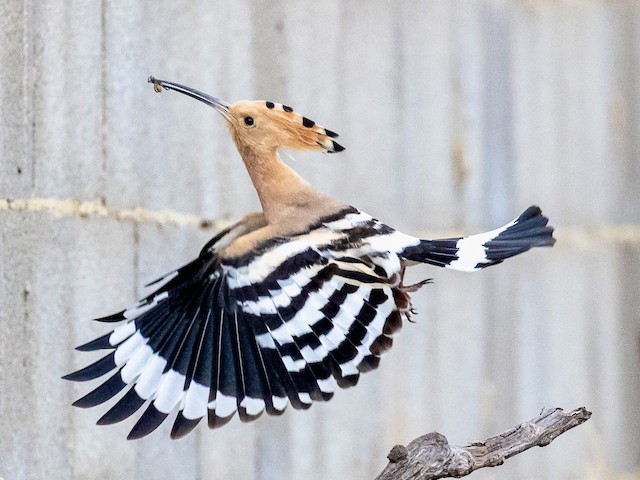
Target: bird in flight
(284, 306)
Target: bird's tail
(472, 253)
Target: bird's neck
(279, 187)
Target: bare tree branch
(430, 456)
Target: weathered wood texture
(431, 457)
(456, 115)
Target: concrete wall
(456, 116)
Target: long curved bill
(219, 105)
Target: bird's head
(263, 126)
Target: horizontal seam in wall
(96, 209)
(577, 237)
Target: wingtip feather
(101, 343)
(183, 426)
(116, 317)
(95, 370)
(147, 423)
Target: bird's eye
(248, 121)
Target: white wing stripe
(122, 333)
(345, 318)
(128, 348)
(349, 221)
(253, 406)
(304, 397)
(391, 242)
(349, 368)
(327, 386)
(471, 250)
(170, 391)
(293, 365)
(224, 405)
(196, 399)
(334, 337)
(136, 364)
(316, 355)
(148, 383)
(142, 307)
(279, 403)
(265, 340)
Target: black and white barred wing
(288, 326)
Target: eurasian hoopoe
(282, 307)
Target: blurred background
(456, 116)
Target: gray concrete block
(100, 272)
(18, 347)
(68, 100)
(16, 99)
(59, 276)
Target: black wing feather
(102, 393)
(100, 343)
(183, 426)
(95, 370)
(147, 423)
(124, 408)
